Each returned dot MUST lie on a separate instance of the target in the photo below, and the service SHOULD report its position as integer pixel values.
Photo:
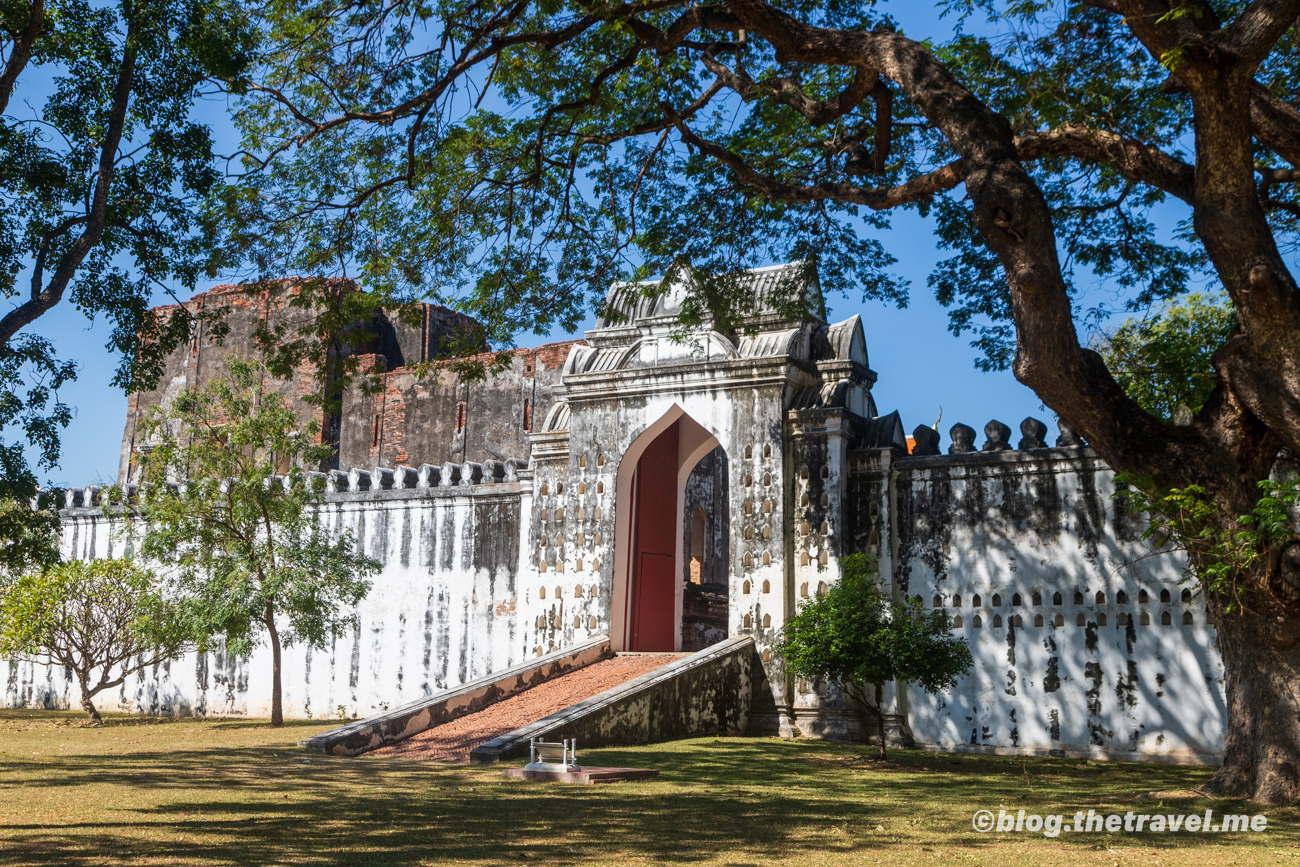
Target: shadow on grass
(745, 799)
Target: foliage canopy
(103, 619)
(854, 637)
(102, 168)
(1165, 360)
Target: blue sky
(921, 366)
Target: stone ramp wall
(416, 717)
(708, 692)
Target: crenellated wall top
(401, 482)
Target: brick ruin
(435, 418)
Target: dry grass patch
(225, 792)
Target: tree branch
(1012, 216)
(656, 126)
(1276, 123)
(917, 189)
(1230, 110)
(1258, 28)
(787, 91)
(1167, 33)
(471, 55)
(1135, 160)
(22, 52)
(45, 297)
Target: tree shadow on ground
(747, 799)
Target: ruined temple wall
(441, 416)
(386, 343)
(205, 356)
(441, 611)
(1124, 677)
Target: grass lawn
(143, 791)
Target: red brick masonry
(451, 742)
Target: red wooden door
(654, 579)
(655, 604)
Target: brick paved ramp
(452, 741)
(709, 692)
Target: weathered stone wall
(1085, 641)
(603, 423)
(440, 417)
(441, 612)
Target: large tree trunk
(277, 707)
(1261, 660)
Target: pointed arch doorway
(650, 532)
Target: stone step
(452, 741)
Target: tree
(854, 637)
(225, 502)
(31, 535)
(1165, 361)
(515, 157)
(103, 171)
(104, 620)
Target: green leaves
(853, 635)
(31, 375)
(101, 173)
(1076, 67)
(1166, 359)
(102, 619)
(30, 535)
(462, 161)
(513, 160)
(1225, 552)
(227, 505)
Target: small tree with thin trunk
(104, 620)
(855, 638)
(248, 552)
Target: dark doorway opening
(704, 586)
